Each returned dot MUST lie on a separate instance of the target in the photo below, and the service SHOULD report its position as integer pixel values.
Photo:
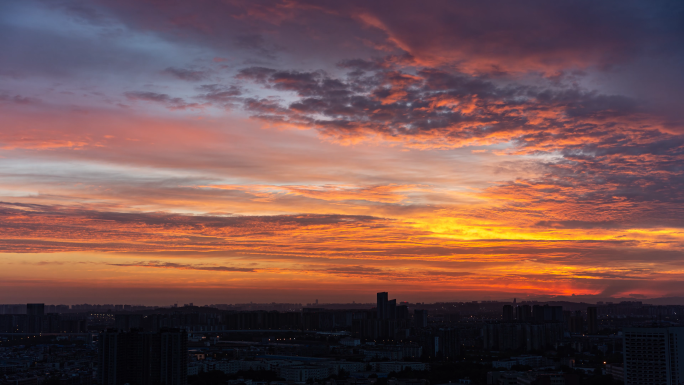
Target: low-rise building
(394, 353)
(503, 378)
(549, 378)
(254, 365)
(397, 366)
(616, 370)
(194, 368)
(533, 361)
(228, 367)
(302, 373)
(505, 364)
(348, 341)
(347, 366)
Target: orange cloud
(381, 194)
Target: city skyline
(385, 342)
(294, 150)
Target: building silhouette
(391, 309)
(654, 356)
(143, 358)
(574, 321)
(34, 317)
(383, 305)
(508, 313)
(523, 313)
(35, 309)
(402, 312)
(547, 313)
(592, 320)
(420, 318)
(126, 322)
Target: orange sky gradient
(292, 150)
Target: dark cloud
(187, 74)
(357, 270)
(33, 228)
(511, 77)
(528, 33)
(168, 101)
(43, 228)
(18, 99)
(431, 107)
(631, 42)
(152, 218)
(219, 95)
(46, 263)
(256, 43)
(450, 274)
(610, 148)
(258, 74)
(181, 266)
(579, 224)
(634, 274)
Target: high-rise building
(523, 313)
(13, 309)
(567, 318)
(35, 309)
(442, 343)
(35, 313)
(652, 356)
(547, 313)
(392, 309)
(126, 322)
(574, 321)
(511, 336)
(174, 358)
(420, 318)
(450, 343)
(592, 320)
(143, 358)
(508, 313)
(516, 336)
(382, 305)
(402, 312)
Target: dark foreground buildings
(143, 358)
(654, 356)
(561, 343)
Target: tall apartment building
(143, 358)
(420, 318)
(654, 356)
(592, 320)
(508, 313)
(35, 313)
(523, 313)
(547, 313)
(383, 305)
(35, 309)
(442, 343)
(402, 312)
(126, 322)
(391, 309)
(514, 336)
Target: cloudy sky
(223, 151)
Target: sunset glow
(292, 150)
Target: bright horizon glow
(288, 150)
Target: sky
(227, 151)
